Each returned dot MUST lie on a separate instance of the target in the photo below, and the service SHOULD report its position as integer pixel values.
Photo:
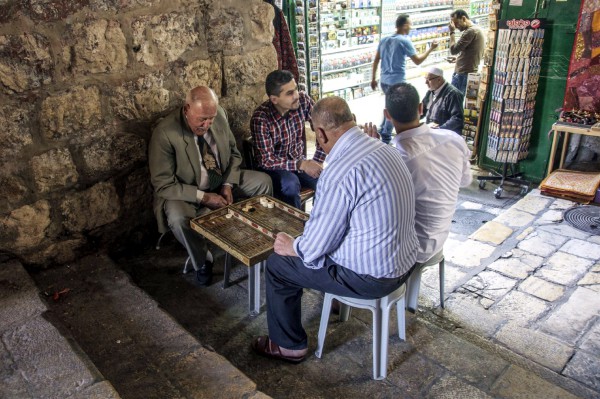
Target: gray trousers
(179, 214)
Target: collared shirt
(393, 51)
(438, 161)
(204, 183)
(433, 95)
(277, 139)
(363, 218)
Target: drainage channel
(585, 218)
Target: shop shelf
(352, 48)
(423, 9)
(347, 68)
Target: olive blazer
(174, 160)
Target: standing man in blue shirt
(392, 53)
(360, 240)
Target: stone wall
(82, 82)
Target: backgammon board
(247, 229)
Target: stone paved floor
(521, 316)
(529, 282)
(521, 321)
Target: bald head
(200, 109)
(201, 94)
(331, 118)
(332, 113)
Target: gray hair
(332, 112)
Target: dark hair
(401, 20)
(402, 102)
(459, 14)
(275, 80)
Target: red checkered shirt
(277, 139)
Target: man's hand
(227, 194)
(371, 130)
(451, 27)
(311, 168)
(434, 125)
(284, 245)
(213, 201)
(374, 84)
(434, 45)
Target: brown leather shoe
(265, 347)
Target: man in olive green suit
(195, 167)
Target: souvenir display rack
(516, 74)
(306, 21)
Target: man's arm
(419, 58)
(456, 121)
(374, 75)
(467, 176)
(162, 164)
(329, 218)
(465, 39)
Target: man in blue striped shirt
(360, 240)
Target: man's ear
(420, 108)
(387, 114)
(274, 99)
(321, 136)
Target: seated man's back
(438, 161)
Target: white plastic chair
(414, 282)
(381, 320)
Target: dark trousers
(286, 185)
(286, 277)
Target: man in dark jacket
(443, 103)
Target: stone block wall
(81, 84)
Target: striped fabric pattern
(363, 216)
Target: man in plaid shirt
(277, 127)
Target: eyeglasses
(430, 79)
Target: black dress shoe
(204, 274)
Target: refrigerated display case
(429, 20)
(350, 31)
(336, 43)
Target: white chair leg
(442, 267)
(413, 286)
(400, 305)
(323, 325)
(377, 342)
(160, 239)
(187, 266)
(385, 336)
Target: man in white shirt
(438, 161)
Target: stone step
(36, 360)
(138, 347)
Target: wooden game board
(249, 233)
